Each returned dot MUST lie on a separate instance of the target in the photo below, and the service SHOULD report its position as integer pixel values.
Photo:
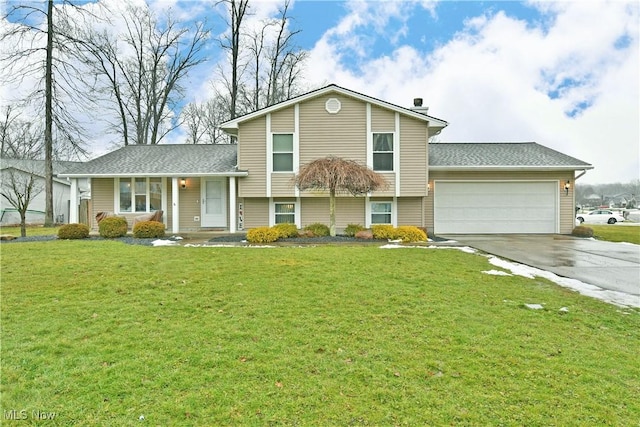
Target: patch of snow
(564, 310)
(161, 242)
(497, 273)
(534, 306)
(517, 269)
(620, 299)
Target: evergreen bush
(353, 229)
(262, 235)
(112, 227)
(318, 229)
(383, 231)
(148, 229)
(409, 233)
(286, 230)
(73, 231)
(582, 231)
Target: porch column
(73, 201)
(174, 205)
(233, 203)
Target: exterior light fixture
(183, 183)
(567, 186)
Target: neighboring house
(21, 169)
(445, 187)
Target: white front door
(214, 202)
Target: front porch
(190, 204)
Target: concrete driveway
(613, 266)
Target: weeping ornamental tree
(338, 175)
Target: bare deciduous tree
(335, 175)
(40, 36)
(142, 70)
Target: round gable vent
(332, 106)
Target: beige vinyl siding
(189, 205)
(382, 120)
(566, 202)
(282, 185)
(390, 191)
(410, 211)
(342, 134)
(283, 121)
(102, 198)
(256, 212)
(413, 157)
(252, 152)
(567, 205)
(349, 210)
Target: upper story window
(283, 152)
(383, 152)
(140, 194)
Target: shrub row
(405, 233)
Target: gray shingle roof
(162, 160)
(444, 155)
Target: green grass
(35, 230)
(617, 233)
(101, 333)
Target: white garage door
(495, 207)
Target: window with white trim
(381, 212)
(285, 212)
(140, 194)
(282, 152)
(383, 152)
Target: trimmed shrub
(318, 229)
(383, 231)
(112, 227)
(353, 229)
(409, 233)
(286, 230)
(73, 231)
(148, 229)
(262, 235)
(582, 231)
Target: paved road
(613, 266)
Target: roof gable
(231, 126)
(162, 160)
(514, 155)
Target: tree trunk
(23, 224)
(332, 212)
(48, 125)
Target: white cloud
(503, 79)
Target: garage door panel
(495, 207)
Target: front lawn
(617, 233)
(32, 230)
(103, 333)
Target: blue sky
(564, 74)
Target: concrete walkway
(612, 266)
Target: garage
(489, 207)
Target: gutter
(155, 175)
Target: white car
(600, 216)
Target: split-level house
(446, 188)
